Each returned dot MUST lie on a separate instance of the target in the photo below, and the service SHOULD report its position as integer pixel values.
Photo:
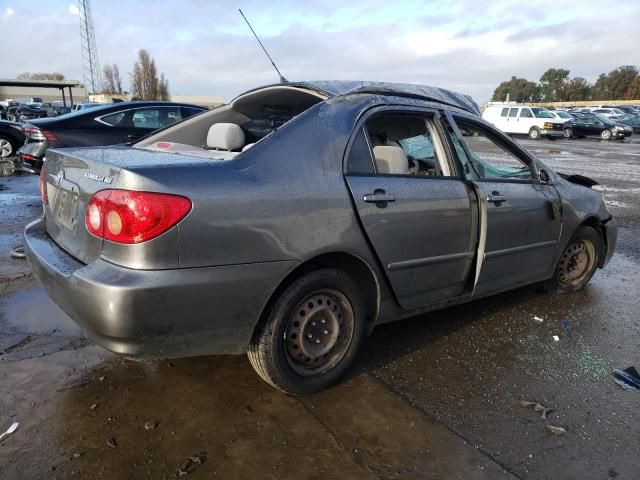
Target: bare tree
(144, 79)
(40, 76)
(111, 81)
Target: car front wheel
(568, 132)
(578, 262)
(534, 133)
(311, 334)
(606, 134)
(6, 148)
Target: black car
(110, 124)
(591, 125)
(11, 138)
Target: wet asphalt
(436, 396)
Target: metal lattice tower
(90, 64)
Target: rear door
(420, 219)
(522, 214)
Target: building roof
(14, 82)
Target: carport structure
(60, 85)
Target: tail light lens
(43, 187)
(50, 136)
(35, 133)
(127, 216)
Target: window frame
(428, 114)
(501, 140)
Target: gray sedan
(292, 221)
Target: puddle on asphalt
(32, 311)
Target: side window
(485, 158)
(406, 144)
(513, 113)
(505, 112)
(156, 117)
(526, 113)
(359, 160)
(114, 119)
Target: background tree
(553, 84)
(519, 90)
(577, 89)
(144, 79)
(633, 93)
(40, 76)
(111, 79)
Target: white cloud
(9, 11)
(73, 9)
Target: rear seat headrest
(225, 136)
(391, 159)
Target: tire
(534, 133)
(578, 262)
(606, 134)
(311, 334)
(7, 168)
(6, 147)
(568, 132)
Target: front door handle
(496, 198)
(379, 196)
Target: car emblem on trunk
(99, 178)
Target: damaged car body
(292, 221)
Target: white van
(518, 119)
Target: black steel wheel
(578, 262)
(311, 333)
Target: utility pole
(90, 65)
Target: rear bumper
(156, 313)
(611, 237)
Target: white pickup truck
(518, 119)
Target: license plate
(66, 213)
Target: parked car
(631, 120)
(291, 222)
(103, 125)
(24, 112)
(565, 117)
(612, 113)
(85, 106)
(11, 138)
(592, 125)
(533, 121)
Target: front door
(522, 214)
(417, 216)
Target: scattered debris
(556, 338)
(18, 252)
(10, 430)
(150, 425)
(77, 455)
(565, 325)
(538, 319)
(629, 378)
(101, 379)
(93, 407)
(111, 442)
(191, 463)
(248, 409)
(612, 473)
(555, 430)
(544, 411)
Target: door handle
(134, 136)
(379, 196)
(496, 198)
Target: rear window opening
(227, 131)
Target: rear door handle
(496, 198)
(379, 196)
(134, 136)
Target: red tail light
(126, 216)
(33, 133)
(43, 187)
(50, 136)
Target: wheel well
(596, 224)
(354, 266)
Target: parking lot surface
(436, 396)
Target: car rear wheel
(311, 333)
(606, 134)
(6, 148)
(578, 262)
(568, 132)
(534, 133)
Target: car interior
(404, 144)
(227, 131)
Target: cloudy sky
(204, 47)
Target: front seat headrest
(225, 136)
(391, 159)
